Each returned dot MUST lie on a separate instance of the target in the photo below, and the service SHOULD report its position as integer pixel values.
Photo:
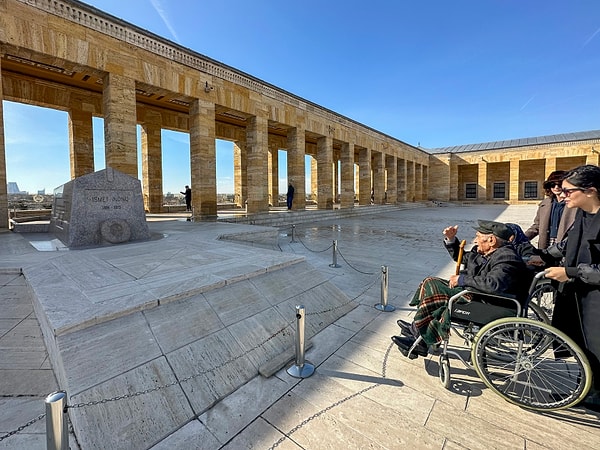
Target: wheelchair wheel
(531, 364)
(444, 371)
(543, 297)
(537, 313)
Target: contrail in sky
(591, 37)
(156, 4)
(527, 103)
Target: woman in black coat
(577, 308)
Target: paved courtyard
(363, 394)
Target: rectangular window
(530, 189)
(471, 190)
(500, 190)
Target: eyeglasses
(553, 185)
(568, 192)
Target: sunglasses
(568, 192)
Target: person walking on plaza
(491, 266)
(188, 198)
(577, 305)
(290, 196)
(552, 219)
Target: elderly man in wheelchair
(492, 300)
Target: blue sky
(433, 73)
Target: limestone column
(418, 182)
(3, 180)
(325, 172)
(391, 167)
(513, 194)
(347, 175)
(296, 152)
(356, 182)
(257, 148)
(453, 178)
(593, 158)
(81, 140)
(482, 171)
(203, 159)
(314, 179)
(402, 180)
(273, 172)
(364, 179)
(378, 177)
(240, 174)
(425, 189)
(152, 162)
(410, 181)
(120, 134)
(550, 166)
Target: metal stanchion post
(334, 262)
(57, 433)
(383, 306)
(293, 233)
(301, 369)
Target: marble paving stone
(236, 302)
(537, 427)
(260, 435)
(16, 358)
(15, 308)
(22, 410)
(215, 367)
(322, 432)
(168, 287)
(264, 336)
(25, 336)
(180, 323)
(358, 318)
(19, 382)
(443, 420)
(193, 435)
(120, 345)
(230, 416)
(25, 440)
(361, 354)
(126, 290)
(6, 325)
(326, 342)
(139, 421)
(88, 271)
(278, 288)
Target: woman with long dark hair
(577, 308)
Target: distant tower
(12, 188)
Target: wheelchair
(514, 349)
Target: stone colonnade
(66, 56)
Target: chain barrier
(338, 250)
(352, 267)
(338, 403)
(22, 427)
(204, 372)
(183, 380)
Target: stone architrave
(100, 208)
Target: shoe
(405, 343)
(406, 328)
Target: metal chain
(314, 251)
(22, 427)
(338, 403)
(352, 267)
(323, 311)
(176, 382)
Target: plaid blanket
(432, 318)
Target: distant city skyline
(432, 75)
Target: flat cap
(496, 228)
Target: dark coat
(504, 272)
(541, 223)
(577, 307)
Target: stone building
(510, 171)
(66, 55)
